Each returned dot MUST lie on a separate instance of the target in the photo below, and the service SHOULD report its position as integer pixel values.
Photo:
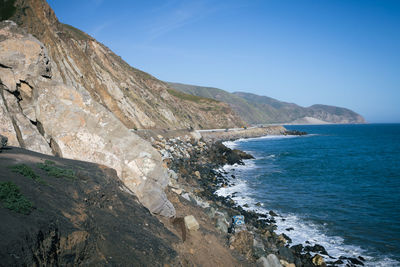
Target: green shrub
(189, 97)
(12, 199)
(52, 170)
(27, 171)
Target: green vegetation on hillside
(12, 199)
(52, 170)
(189, 97)
(255, 109)
(78, 34)
(28, 172)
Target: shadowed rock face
(91, 219)
(41, 113)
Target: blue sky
(336, 52)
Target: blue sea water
(339, 187)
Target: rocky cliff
(136, 98)
(63, 93)
(40, 112)
(255, 109)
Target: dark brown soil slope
(81, 215)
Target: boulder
(3, 141)
(317, 249)
(222, 224)
(318, 260)
(191, 223)
(258, 248)
(286, 254)
(287, 264)
(177, 190)
(270, 261)
(197, 174)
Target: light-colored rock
(287, 264)
(197, 174)
(70, 123)
(273, 260)
(196, 135)
(172, 175)
(222, 224)
(177, 190)
(173, 183)
(27, 133)
(270, 261)
(282, 239)
(318, 260)
(191, 223)
(6, 125)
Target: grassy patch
(12, 199)
(192, 98)
(52, 170)
(80, 35)
(28, 172)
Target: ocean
(338, 186)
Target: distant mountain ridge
(256, 109)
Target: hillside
(255, 109)
(136, 98)
(63, 93)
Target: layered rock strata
(137, 99)
(40, 112)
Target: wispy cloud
(99, 28)
(176, 14)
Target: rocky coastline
(195, 175)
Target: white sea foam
(303, 230)
(230, 144)
(234, 144)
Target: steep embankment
(74, 213)
(255, 109)
(136, 98)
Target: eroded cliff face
(64, 93)
(41, 112)
(136, 98)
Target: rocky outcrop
(43, 114)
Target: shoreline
(199, 180)
(308, 232)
